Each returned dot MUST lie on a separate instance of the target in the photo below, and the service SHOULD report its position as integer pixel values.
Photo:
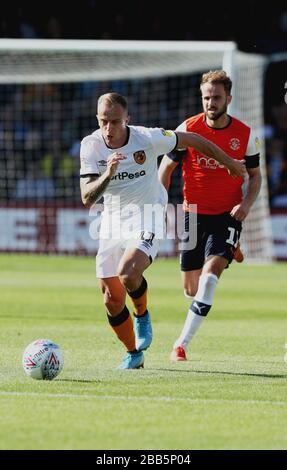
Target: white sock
(206, 288)
(205, 294)
(191, 325)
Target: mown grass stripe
(142, 398)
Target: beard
(216, 114)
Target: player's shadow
(220, 372)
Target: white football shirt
(136, 182)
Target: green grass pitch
(231, 394)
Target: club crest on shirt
(140, 157)
(234, 143)
(102, 163)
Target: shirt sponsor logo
(140, 157)
(124, 174)
(234, 143)
(208, 162)
(102, 163)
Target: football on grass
(43, 360)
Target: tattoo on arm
(94, 191)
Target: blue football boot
(143, 331)
(133, 360)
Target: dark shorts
(217, 235)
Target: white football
(43, 360)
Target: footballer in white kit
(119, 162)
(135, 200)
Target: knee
(128, 275)
(189, 292)
(113, 306)
(190, 288)
(113, 302)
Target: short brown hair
(114, 98)
(217, 76)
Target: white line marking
(135, 398)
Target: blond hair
(217, 76)
(114, 98)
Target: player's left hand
(240, 211)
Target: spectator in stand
(34, 185)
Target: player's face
(214, 100)
(113, 124)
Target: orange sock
(123, 326)
(139, 299)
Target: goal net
(48, 103)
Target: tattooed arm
(93, 187)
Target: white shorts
(111, 251)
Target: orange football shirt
(207, 183)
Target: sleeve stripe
(252, 161)
(89, 174)
(176, 136)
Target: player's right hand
(113, 162)
(237, 168)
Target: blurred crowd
(276, 132)
(252, 26)
(42, 125)
(51, 120)
(276, 152)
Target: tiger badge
(140, 157)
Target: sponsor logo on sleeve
(166, 133)
(257, 143)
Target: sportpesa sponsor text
(130, 176)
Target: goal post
(48, 98)
(82, 60)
